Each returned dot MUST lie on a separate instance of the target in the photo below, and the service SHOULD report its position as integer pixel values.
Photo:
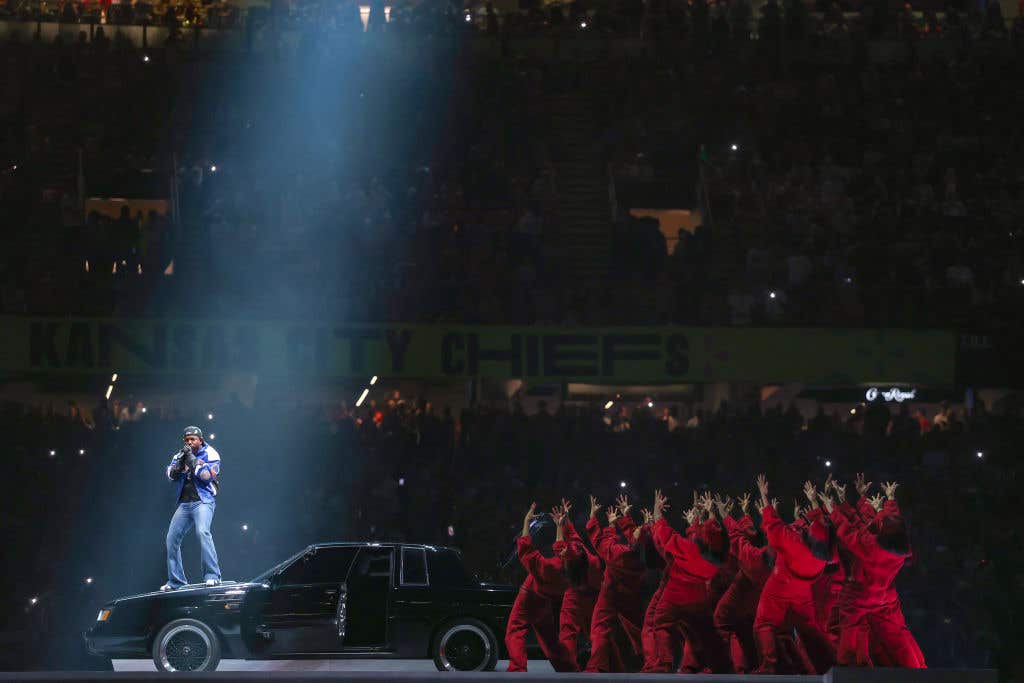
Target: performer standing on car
(195, 469)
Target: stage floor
(536, 666)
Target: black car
(344, 600)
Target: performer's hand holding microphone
(186, 460)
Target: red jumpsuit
(871, 619)
(685, 602)
(734, 615)
(647, 634)
(535, 607)
(787, 599)
(578, 602)
(620, 600)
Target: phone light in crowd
(212, 436)
(853, 411)
(401, 481)
(828, 463)
(980, 454)
(622, 484)
(213, 168)
(364, 16)
(387, 14)
(145, 58)
(362, 397)
(583, 24)
(608, 405)
(88, 580)
(87, 265)
(81, 451)
(53, 453)
(110, 390)
(33, 601)
(245, 527)
(451, 530)
(771, 295)
(734, 147)
(650, 404)
(209, 416)
(113, 378)
(373, 380)
(143, 408)
(469, 18)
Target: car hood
(196, 589)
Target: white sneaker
(166, 587)
(212, 582)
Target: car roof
(382, 544)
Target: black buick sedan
(345, 600)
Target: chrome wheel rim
(185, 648)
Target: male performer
(195, 469)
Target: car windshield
(278, 567)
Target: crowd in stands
(854, 191)
(96, 502)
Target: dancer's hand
(877, 502)
(660, 504)
(613, 514)
(724, 505)
(595, 507)
(889, 488)
(840, 490)
(861, 485)
(558, 514)
(811, 492)
(622, 502)
(744, 502)
(827, 501)
(762, 487)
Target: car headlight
(103, 615)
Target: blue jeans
(200, 515)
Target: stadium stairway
(585, 219)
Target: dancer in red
(583, 573)
(620, 600)
(536, 605)
(734, 614)
(787, 601)
(871, 619)
(685, 600)
(647, 635)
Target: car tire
(464, 645)
(186, 645)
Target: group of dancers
(733, 596)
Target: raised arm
(625, 521)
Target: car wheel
(465, 645)
(186, 645)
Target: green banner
(607, 355)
